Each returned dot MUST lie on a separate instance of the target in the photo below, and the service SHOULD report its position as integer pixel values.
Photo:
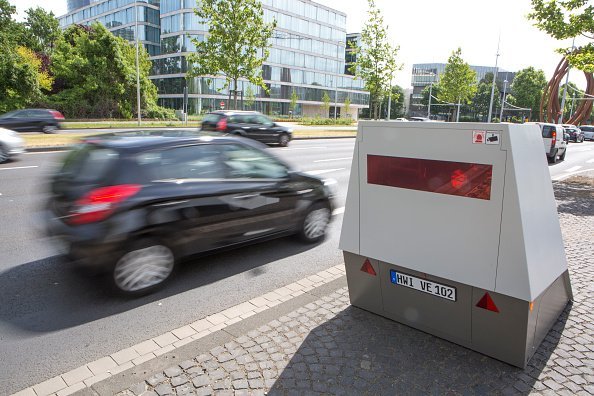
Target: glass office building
(76, 4)
(118, 17)
(424, 74)
(307, 55)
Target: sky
(429, 30)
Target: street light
(503, 99)
(137, 65)
(494, 78)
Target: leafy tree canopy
(237, 42)
(563, 19)
(458, 82)
(42, 30)
(375, 58)
(527, 88)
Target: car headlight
(290, 130)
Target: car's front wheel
(3, 154)
(143, 268)
(283, 140)
(315, 223)
(49, 128)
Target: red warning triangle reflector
(368, 268)
(487, 303)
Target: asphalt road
(53, 320)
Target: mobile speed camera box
(452, 228)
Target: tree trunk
(235, 94)
(229, 101)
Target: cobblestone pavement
(330, 347)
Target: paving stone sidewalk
(330, 347)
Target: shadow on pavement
(49, 295)
(358, 352)
(575, 198)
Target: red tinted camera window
(442, 177)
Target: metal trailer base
(511, 335)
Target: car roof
(139, 140)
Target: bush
(326, 121)
(467, 119)
(160, 113)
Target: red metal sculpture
(550, 108)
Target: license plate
(423, 285)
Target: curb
(43, 149)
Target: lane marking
(303, 148)
(565, 176)
(573, 169)
(338, 211)
(581, 150)
(20, 167)
(323, 171)
(590, 161)
(334, 159)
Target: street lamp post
(560, 121)
(503, 100)
(389, 100)
(137, 65)
(493, 84)
(430, 94)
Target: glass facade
(76, 4)
(423, 74)
(307, 54)
(118, 17)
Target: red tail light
(98, 204)
(222, 125)
(57, 115)
(554, 137)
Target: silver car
(11, 144)
(588, 131)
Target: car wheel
(315, 223)
(3, 155)
(553, 158)
(49, 128)
(283, 140)
(582, 140)
(143, 268)
(562, 156)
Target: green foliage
(250, 97)
(347, 106)
(95, 74)
(482, 97)
(325, 106)
(458, 81)
(237, 43)
(160, 113)
(375, 58)
(563, 19)
(294, 99)
(527, 88)
(42, 30)
(325, 121)
(572, 92)
(397, 105)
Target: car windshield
(9, 114)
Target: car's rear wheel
(562, 156)
(143, 268)
(49, 129)
(315, 223)
(3, 154)
(553, 158)
(283, 140)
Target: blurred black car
(32, 120)
(250, 124)
(134, 205)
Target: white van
(553, 137)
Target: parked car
(32, 120)
(11, 144)
(588, 131)
(575, 133)
(132, 206)
(249, 124)
(555, 142)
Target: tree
(482, 97)
(250, 97)
(237, 42)
(347, 106)
(325, 106)
(294, 99)
(397, 105)
(570, 103)
(375, 59)
(95, 74)
(527, 88)
(458, 82)
(563, 19)
(42, 30)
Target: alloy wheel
(3, 155)
(143, 268)
(315, 223)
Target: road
(53, 320)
